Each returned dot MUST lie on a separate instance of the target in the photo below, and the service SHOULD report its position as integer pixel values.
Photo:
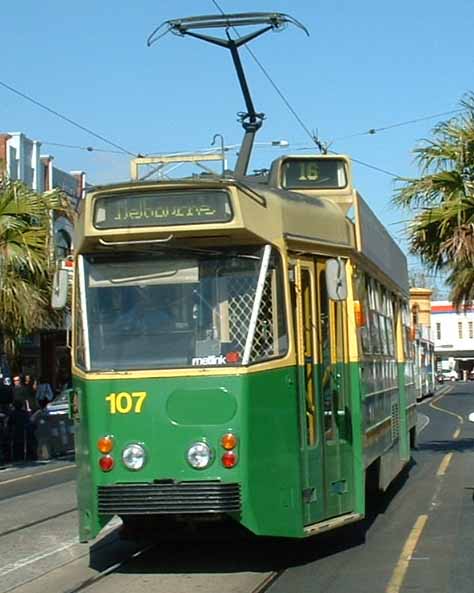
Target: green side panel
(260, 408)
(407, 393)
(357, 438)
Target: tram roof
(274, 208)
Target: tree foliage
(26, 260)
(441, 231)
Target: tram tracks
(37, 522)
(138, 564)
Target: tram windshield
(180, 308)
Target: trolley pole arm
(271, 21)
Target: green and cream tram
(241, 352)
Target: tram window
(375, 332)
(390, 337)
(79, 331)
(383, 334)
(166, 310)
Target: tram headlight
(200, 455)
(134, 456)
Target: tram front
(182, 366)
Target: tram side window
(408, 345)
(376, 332)
(374, 322)
(79, 331)
(360, 293)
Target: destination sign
(313, 173)
(164, 208)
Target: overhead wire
(67, 119)
(324, 147)
(372, 131)
(86, 148)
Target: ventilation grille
(174, 498)
(395, 421)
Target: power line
(86, 148)
(372, 131)
(299, 120)
(67, 119)
(375, 168)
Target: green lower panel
(259, 408)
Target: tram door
(334, 397)
(323, 388)
(309, 407)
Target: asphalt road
(418, 537)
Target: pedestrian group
(21, 408)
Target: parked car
(439, 378)
(450, 375)
(60, 404)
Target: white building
(21, 161)
(47, 352)
(453, 335)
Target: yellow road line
(432, 405)
(443, 466)
(49, 471)
(456, 434)
(403, 563)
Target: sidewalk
(19, 465)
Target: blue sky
(366, 64)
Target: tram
(241, 350)
(425, 363)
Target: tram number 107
(124, 403)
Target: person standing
(18, 430)
(21, 394)
(44, 391)
(30, 385)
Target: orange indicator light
(229, 441)
(105, 444)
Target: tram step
(332, 523)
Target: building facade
(46, 353)
(424, 349)
(453, 334)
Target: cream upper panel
(258, 213)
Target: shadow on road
(249, 553)
(459, 445)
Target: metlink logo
(212, 359)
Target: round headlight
(199, 455)
(134, 456)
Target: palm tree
(442, 200)
(26, 261)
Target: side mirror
(336, 282)
(471, 417)
(60, 286)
